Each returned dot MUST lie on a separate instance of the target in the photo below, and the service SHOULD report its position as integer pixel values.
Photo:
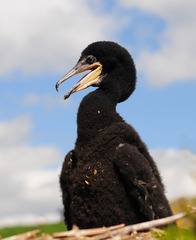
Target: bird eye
(90, 59)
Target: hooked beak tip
(57, 87)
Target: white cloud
(29, 180)
(15, 131)
(177, 168)
(46, 35)
(175, 61)
(29, 219)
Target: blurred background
(40, 41)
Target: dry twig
(24, 236)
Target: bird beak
(93, 77)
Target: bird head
(111, 69)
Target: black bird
(110, 177)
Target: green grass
(174, 233)
(49, 228)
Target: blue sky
(40, 42)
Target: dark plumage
(109, 178)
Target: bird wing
(137, 176)
(67, 167)
(68, 163)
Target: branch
(118, 230)
(24, 236)
(152, 224)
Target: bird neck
(96, 112)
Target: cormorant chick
(110, 177)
